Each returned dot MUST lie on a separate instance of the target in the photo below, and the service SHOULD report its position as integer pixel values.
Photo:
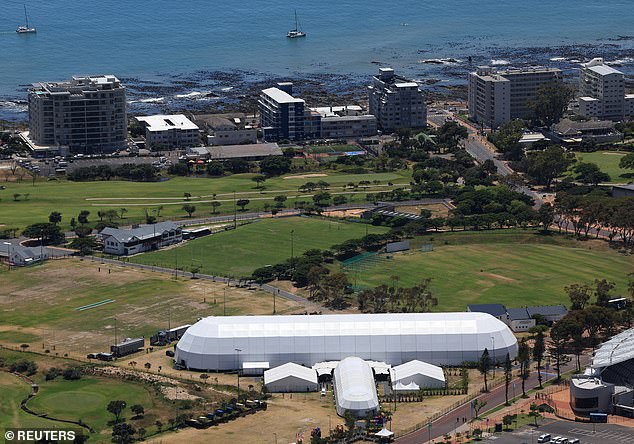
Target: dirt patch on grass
(344, 213)
(306, 176)
(499, 277)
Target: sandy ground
(437, 210)
(344, 213)
(306, 176)
(285, 417)
(57, 284)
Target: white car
(544, 438)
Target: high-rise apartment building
(601, 91)
(86, 114)
(281, 114)
(497, 97)
(396, 102)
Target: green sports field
(238, 252)
(608, 162)
(69, 198)
(87, 399)
(510, 267)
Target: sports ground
(237, 253)
(608, 162)
(513, 267)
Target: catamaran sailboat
(25, 29)
(296, 32)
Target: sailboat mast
(296, 27)
(26, 17)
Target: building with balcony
(85, 114)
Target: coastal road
(447, 423)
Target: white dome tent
(355, 390)
(421, 373)
(394, 338)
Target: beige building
(396, 102)
(228, 129)
(601, 91)
(344, 122)
(169, 131)
(497, 97)
(85, 114)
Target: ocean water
(162, 42)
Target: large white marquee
(224, 343)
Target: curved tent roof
(394, 338)
(354, 387)
(618, 349)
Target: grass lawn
(38, 304)
(87, 399)
(267, 242)
(608, 162)
(70, 197)
(13, 391)
(515, 268)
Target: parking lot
(585, 433)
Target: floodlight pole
(238, 350)
(115, 331)
(494, 359)
(292, 245)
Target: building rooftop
(547, 310)
(495, 310)
(281, 96)
(290, 369)
(222, 152)
(518, 314)
(618, 349)
(624, 187)
(163, 122)
(79, 83)
(571, 127)
(416, 367)
(141, 232)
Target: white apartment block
(281, 114)
(169, 131)
(85, 114)
(229, 131)
(497, 97)
(601, 91)
(396, 102)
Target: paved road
(447, 423)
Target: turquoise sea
(156, 42)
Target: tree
(534, 412)
(550, 102)
(478, 404)
(484, 367)
(524, 357)
(602, 291)
(558, 347)
(55, 217)
(215, 168)
(279, 201)
(546, 214)
(539, 348)
(275, 165)
(339, 200)
(258, 179)
(590, 173)
(214, 206)
(506, 139)
(507, 420)
(48, 233)
(138, 410)
(544, 166)
(159, 425)
(242, 203)
(147, 365)
(579, 295)
(187, 195)
(116, 408)
(322, 198)
(123, 433)
(627, 161)
(508, 376)
(122, 211)
(24, 346)
(82, 218)
(189, 209)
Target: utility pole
(292, 245)
(235, 211)
(224, 309)
(238, 350)
(115, 331)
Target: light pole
(9, 251)
(238, 350)
(494, 358)
(292, 238)
(224, 304)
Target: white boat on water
(296, 32)
(26, 29)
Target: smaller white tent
(421, 373)
(291, 377)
